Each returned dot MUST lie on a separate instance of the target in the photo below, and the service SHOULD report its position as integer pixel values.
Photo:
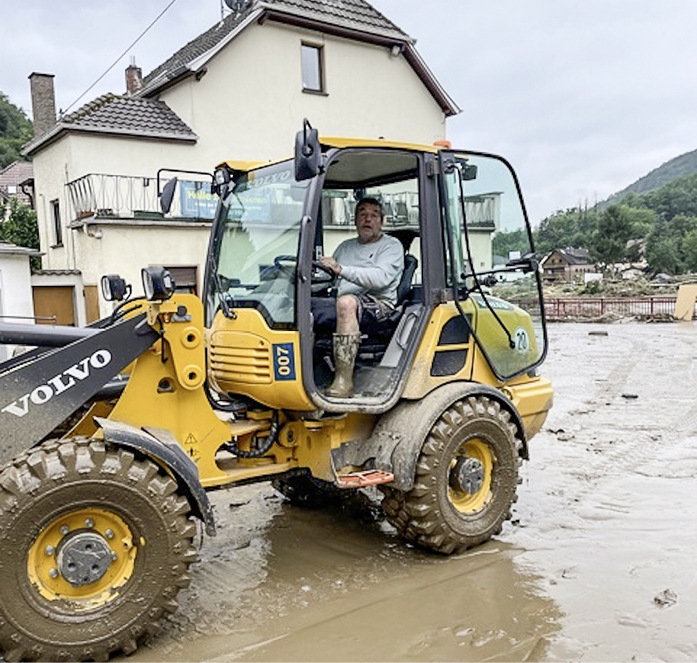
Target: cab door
(491, 264)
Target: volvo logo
(58, 384)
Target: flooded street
(596, 565)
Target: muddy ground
(597, 564)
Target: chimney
(43, 102)
(134, 78)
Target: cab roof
(342, 142)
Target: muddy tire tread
(418, 514)
(56, 465)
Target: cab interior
(393, 178)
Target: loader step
(364, 478)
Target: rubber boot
(345, 351)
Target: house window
(312, 68)
(57, 228)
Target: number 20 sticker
(283, 361)
(521, 340)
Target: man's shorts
(371, 311)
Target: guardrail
(562, 308)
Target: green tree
(689, 247)
(642, 220)
(670, 245)
(15, 131)
(20, 227)
(614, 229)
(676, 197)
(506, 241)
(572, 227)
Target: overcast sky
(582, 96)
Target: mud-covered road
(597, 564)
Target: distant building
(15, 288)
(567, 265)
(16, 181)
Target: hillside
(685, 164)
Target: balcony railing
(130, 197)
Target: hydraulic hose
(259, 451)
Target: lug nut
(89, 522)
(53, 573)
(49, 550)
(113, 555)
(109, 534)
(64, 529)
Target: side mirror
(469, 172)
(221, 177)
(167, 195)
(308, 153)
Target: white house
(238, 91)
(15, 288)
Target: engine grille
(239, 364)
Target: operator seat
(379, 333)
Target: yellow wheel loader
(97, 527)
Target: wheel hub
(84, 558)
(467, 475)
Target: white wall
(250, 103)
(78, 155)
(125, 250)
(15, 293)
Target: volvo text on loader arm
(185, 394)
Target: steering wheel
(279, 261)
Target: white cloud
(583, 97)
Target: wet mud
(596, 564)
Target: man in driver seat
(368, 269)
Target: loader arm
(38, 394)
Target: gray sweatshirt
(374, 268)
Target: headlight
(157, 283)
(114, 288)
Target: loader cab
(446, 209)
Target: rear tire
(95, 544)
(466, 479)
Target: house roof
(120, 115)
(571, 255)
(355, 19)
(6, 248)
(14, 175)
(145, 117)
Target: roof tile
(129, 114)
(355, 14)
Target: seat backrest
(410, 265)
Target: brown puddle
(596, 565)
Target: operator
(368, 269)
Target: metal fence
(561, 308)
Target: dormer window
(312, 68)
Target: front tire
(466, 479)
(95, 544)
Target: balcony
(122, 197)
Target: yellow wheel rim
(482, 460)
(85, 535)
